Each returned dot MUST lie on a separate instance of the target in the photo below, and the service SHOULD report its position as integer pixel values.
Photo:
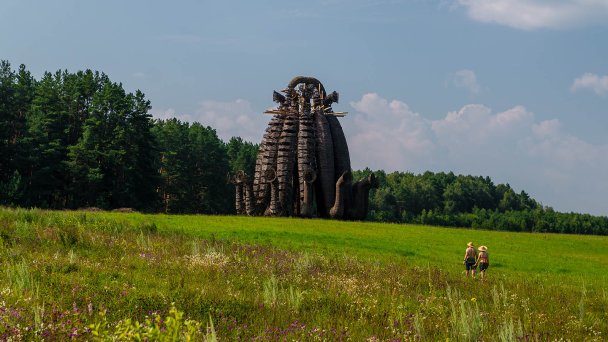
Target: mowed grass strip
(512, 253)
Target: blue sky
(512, 89)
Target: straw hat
(483, 248)
(470, 244)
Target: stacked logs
(303, 165)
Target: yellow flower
(473, 299)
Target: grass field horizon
(512, 252)
(93, 275)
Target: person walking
(470, 258)
(483, 261)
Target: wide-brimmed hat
(483, 248)
(470, 244)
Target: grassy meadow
(130, 276)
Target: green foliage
(73, 131)
(271, 292)
(510, 332)
(173, 327)
(445, 199)
(242, 155)
(16, 91)
(114, 157)
(11, 188)
(465, 320)
(193, 168)
(19, 277)
(79, 140)
(148, 227)
(294, 298)
(69, 235)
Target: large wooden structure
(303, 165)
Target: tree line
(78, 140)
(447, 199)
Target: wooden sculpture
(303, 165)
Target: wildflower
(473, 299)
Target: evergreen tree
(116, 157)
(211, 165)
(45, 146)
(194, 164)
(242, 155)
(175, 172)
(143, 154)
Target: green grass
(105, 276)
(521, 254)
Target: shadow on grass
(406, 253)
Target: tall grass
(294, 298)
(465, 320)
(19, 277)
(72, 275)
(510, 332)
(271, 291)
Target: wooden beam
(282, 112)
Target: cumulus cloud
(465, 79)
(568, 171)
(475, 140)
(234, 118)
(550, 142)
(476, 124)
(535, 14)
(598, 84)
(387, 133)
(511, 146)
(230, 119)
(547, 129)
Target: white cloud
(546, 129)
(568, 172)
(465, 79)
(165, 114)
(557, 168)
(386, 133)
(599, 84)
(475, 140)
(235, 118)
(477, 124)
(535, 14)
(550, 142)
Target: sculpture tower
(303, 164)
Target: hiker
(483, 260)
(470, 258)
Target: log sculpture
(303, 165)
